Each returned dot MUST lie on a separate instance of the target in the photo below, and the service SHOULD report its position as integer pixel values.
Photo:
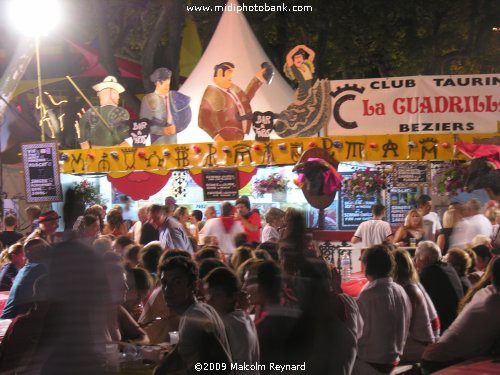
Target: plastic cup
(174, 337)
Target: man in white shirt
(375, 231)
(475, 223)
(475, 331)
(225, 228)
(432, 224)
(386, 312)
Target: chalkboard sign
(353, 213)
(41, 172)
(411, 173)
(220, 184)
(400, 201)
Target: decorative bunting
(252, 153)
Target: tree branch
(106, 53)
(152, 42)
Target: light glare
(35, 17)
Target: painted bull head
(318, 177)
(482, 175)
(313, 179)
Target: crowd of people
(247, 297)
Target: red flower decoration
(141, 153)
(90, 155)
(312, 145)
(445, 145)
(196, 149)
(373, 145)
(256, 147)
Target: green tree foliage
(352, 38)
(377, 38)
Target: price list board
(409, 174)
(400, 201)
(41, 172)
(220, 184)
(353, 213)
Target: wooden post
(321, 219)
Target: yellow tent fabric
(32, 84)
(191, 48)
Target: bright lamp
(35, 17)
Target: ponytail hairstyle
(6, 255)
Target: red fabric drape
(140, 185)
(475, 151)
(127, 68)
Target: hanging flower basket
(87, 192)
(449, 179)
(364, 184)
(275, 183)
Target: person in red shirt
(250, 220)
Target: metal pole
(39, 78)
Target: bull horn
(298, 166)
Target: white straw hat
(109, 82)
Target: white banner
(419, 104)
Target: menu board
(220, 184)
(400, 201)
(411, 173)
(353, 213)
(41, 172)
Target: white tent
(233, 41)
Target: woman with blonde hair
(15, 258)
(450, 218)
(412, 229)
(424, 328)
(461, 262)
(240, 255)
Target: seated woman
(115, 224)
(421, 327)
(412, 229)
(89, 228)
(450, 219)
(21, 293)
(131, 256)
(461, 262)
(274, 220)
(139, 283)
(15, 258)
(121, 325)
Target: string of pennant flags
(274, 152)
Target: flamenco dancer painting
(310, 110)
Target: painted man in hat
(93, 130)
(225, 108)
(169, 110)
(49, 222)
